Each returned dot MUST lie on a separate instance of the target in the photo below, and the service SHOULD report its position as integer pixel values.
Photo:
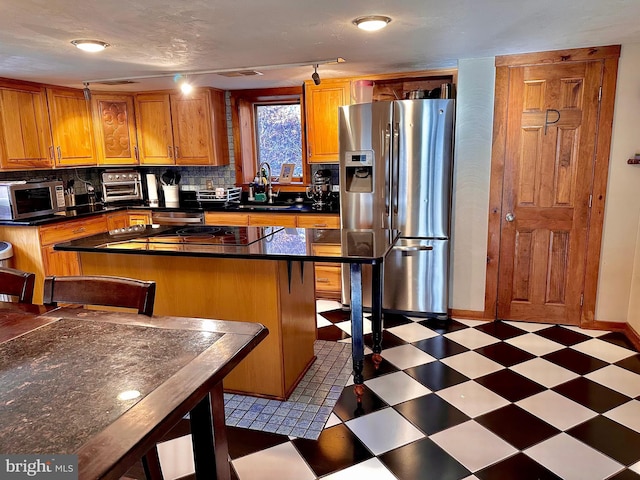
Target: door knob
(509, 217)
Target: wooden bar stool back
(17, 283)
(101, 290)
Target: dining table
(107, 386)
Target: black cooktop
(212, 235)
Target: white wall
(618, 297)
(619, 282)
(472, 170)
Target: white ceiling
(161, 36)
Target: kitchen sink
(266, 207)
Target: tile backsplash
(194, 177)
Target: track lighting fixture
(315, 77)
(86, 91)
(223, 71)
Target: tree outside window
(279, 137)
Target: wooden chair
(17, 283)
(101, 290)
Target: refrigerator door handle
(404, 248)
(395, 156)
(386, 221)
(406, 251)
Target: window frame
(243, 103)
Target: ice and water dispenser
(359, 171)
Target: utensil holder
(171, 195)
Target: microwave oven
(21, 199)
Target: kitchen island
(256, 274)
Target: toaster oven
(120, 185)
(22, 199)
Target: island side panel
(297, 308)
(27, 255)
(225, 289)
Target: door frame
(609, 55)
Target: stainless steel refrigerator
(396, 173)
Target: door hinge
(581, 299)
(590, 200)
(600, 93)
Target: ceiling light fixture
(90, 45)
(222, 71)
(315, 77)
(371, 23)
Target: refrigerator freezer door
(365, 135)
(421, 178)
(416, 277)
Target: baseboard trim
(632, 335)
(470, 315)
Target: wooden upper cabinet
(71, 127)
(321, 109)
(153, 123)
(114, 127)
(182, 129)
(25, 133)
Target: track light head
(315, 77)
(86, 91)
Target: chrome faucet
(270, 194)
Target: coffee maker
(320, 189)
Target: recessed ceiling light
(90, 45)
(371, 23)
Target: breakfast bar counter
(255, 274)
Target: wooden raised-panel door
(548, 174)
(71, 127)
(153, 123)
(115, 129)
(25, 133)
(192, 128)
(321, 108)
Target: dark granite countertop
(83, 211)
(270, 243)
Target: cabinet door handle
(79, 230)
(136, 154)
(177, 154)
(322, 280)
(52, 154)
(169, 151)
(59, 152)
(319, 224)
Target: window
(268, 126)
(279, 137)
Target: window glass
(279, 137)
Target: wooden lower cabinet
(328, 276)
(226, 218)
(139, 218)
(66, 263)
(33, 248)
(117, 220)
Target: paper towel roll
(152, 189)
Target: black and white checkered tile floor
(469, 400)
